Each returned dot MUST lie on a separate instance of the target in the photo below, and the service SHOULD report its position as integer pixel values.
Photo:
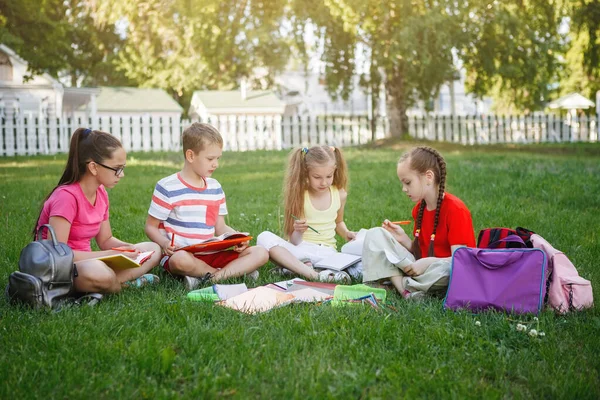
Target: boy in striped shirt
(189, 206)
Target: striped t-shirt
(184, 210)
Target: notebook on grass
(338, 261)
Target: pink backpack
(567, 291)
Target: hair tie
(332, 148)
(87, 132)
(304, 151)
(417, 233)
(432, 237)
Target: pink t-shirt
(69, 202)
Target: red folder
(215, 246)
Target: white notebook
(338, 261)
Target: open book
(120, 262)
(218, 243)
(338, 261)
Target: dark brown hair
(422, 159)
(86, 145)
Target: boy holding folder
(188, 207)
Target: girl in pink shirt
(77, 209)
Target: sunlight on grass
(154, 338)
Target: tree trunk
(396, 103)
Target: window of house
(6, 68)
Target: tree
(583, 58)
(513, 51)
(405, 44)
(58, 37)
(184, 45)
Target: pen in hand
(309, 227)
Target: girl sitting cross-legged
(77, 210)
(314, 199)
(442, 224)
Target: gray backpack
(45, 275)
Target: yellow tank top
(322, 220)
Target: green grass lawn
(154, 343)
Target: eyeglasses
(118, 171)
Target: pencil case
(207, 294)
(342, 293)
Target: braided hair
(421, 159)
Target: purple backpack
(512, 280)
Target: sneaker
(146, 279)
(190, 282)
(282, 271)
(253, 276)
(328, 275)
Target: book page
(338, 261)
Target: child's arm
(154, 234)
(62, 229)
(340, 225)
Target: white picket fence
(492, 129)
(30, 136)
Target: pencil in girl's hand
(172, 239)
(309, 227)
(401, 222)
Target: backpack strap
(509, 239)
(55, 243)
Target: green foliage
(406, 45)
(186, 45)
(154, 343)
(514, 52)
(59, 37)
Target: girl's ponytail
(340, 177)
(296, 183)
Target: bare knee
(97, 277)
(180, 263)
(260, 254)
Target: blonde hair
(198, 135)
(422, 159)
(296, 180)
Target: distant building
(44, 96)
(214, 103)
(305, 93)
(119, 101)
(41, 95)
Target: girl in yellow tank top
(314, 199)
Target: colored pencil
(172, 239)
(309, 227)
(401, 222)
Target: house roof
(223, 100)
(126, 99)
(16, 58)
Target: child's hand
(129, 251)
(300, 225)
(241, 247)
(396, 231)
(350, 236)
(418, 267)
(168, 249)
